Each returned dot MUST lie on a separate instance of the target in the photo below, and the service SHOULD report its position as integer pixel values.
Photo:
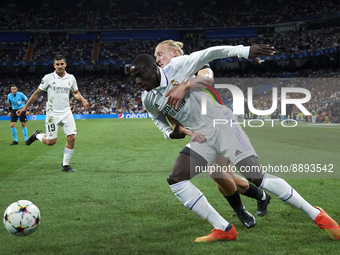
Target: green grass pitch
(118, 201)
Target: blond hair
(173, 44)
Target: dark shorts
(187, 151)
(14, 117)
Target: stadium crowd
(13, 51)
(271, 12)
(106, 94)
(324, 103)
(109, 94)
(289, 42)
(47, 46)
(184, 14)
(68, 17)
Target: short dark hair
(59, 57)
(145, 59)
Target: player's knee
(221, 190)
(51, 142)
(13, 125)
(175, 178)
(172, 179)
(256, 181)
(255, 176)
(71, 139)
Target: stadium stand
(83, 32)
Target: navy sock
(254, 192)
(235, 201)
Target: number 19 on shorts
(51, 128)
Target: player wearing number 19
(58, 113)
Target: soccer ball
(22, 218)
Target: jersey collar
(66, 76)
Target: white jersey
(58, 92)
(180, 69)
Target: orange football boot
(218, 235)
(325, 222)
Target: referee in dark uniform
(16, 100)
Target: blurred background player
(58, 85)
(289, 109)
(16, 101)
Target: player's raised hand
(260, 50)
(176, 134)
(176, 95)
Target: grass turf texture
(120, 203)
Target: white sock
(282, 190)
(194, 199)
(40, 136)
(67, 156)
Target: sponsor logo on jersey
(54, 83)
(174, 83)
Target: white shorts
(230, 141)
(67, 124)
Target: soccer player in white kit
(228, 184)
(222, 139)
(58, 113)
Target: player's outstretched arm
(32, 99)
(260, 50)
(78, 96)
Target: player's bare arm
(180, 127)
(32, 99)
(78, 96)
(260, 50)
(195, 136)
(176, 134)
(176, 94)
